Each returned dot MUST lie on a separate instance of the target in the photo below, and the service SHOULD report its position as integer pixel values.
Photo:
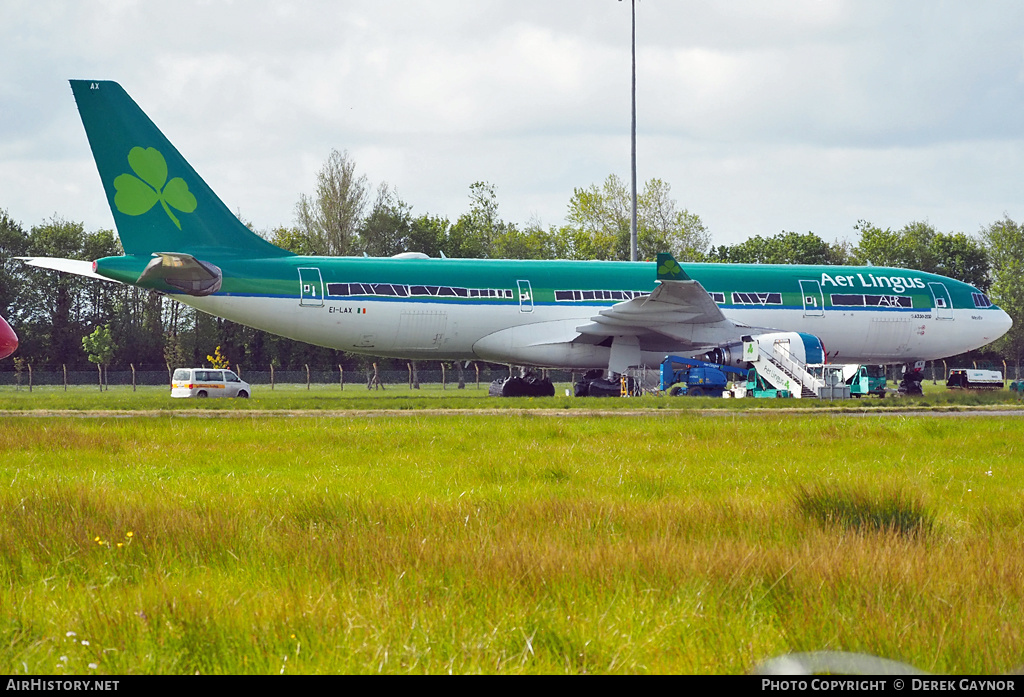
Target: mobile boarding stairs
(778, 359)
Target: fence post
(443, 387)
(341, 376)
(1005, 373)
(271, 376)
(29, 377)
(409, 366)
(307, 375)
(133, 376)
(477, 366)
(65, 367)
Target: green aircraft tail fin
(158, 201)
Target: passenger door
(943, 303)
(814, 303)
(525, 296)
(311, 288)
(210, 381)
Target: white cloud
(802, 114)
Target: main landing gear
(594, 384)
(913, 374)
(525, 385)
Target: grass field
(673, 541)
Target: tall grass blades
(895, 511)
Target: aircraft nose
(8, 339)
(1001, 324)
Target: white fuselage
(460, 331)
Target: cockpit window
(981, 300)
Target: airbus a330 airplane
(8, 339)
(180, 239)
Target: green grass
(893, 511)
(516, 543)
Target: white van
(208, 382)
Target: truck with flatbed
(969, 379)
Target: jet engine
(730, 354)
(805, 347)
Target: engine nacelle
(804, 347)
(730, 354)
(184, 272)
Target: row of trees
(916, 245)
(53, 312)
(339, 220)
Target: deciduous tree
(599, 220)
(330, 219)
(783, 248)
(99, 348)
(386, 230)
(1005, 242)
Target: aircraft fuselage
(455, 309)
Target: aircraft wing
(672, 302)
(678, 309)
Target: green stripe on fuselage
(279, 277)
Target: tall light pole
(632, 220)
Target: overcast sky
(802, 115)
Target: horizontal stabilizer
(73, 266)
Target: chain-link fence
(314, 376)
(935, 371)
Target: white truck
(972, 379)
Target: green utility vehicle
(865, 379)
(757, 386)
